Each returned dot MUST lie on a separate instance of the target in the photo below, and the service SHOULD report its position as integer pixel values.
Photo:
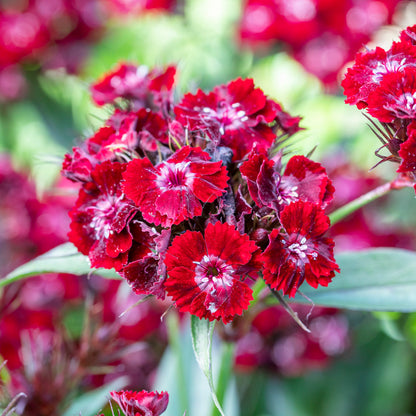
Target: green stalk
(361, 201)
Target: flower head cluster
(384, 83)
(192, 200)
(322, 35)
(56, 34)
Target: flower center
(229, 116)
(174, 176)
(103, 213)
(391, 65)
(287, 192)
(405, 104)
(213, 274)
(300, 248)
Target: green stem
(353, 206)
(224, 374)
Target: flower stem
(289, 310)
(353, 206)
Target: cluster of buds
(192, 200)
(384, 83)
(322, 35)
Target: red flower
(408, 151)
(173, 191)
(142, 403)
(370, 68)
(300, 252)
(101, 216)
(302, 179)
(145, 88)
(239, 113)
(205, 273)
(139, 131)
(395, 97)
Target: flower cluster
(193, 200)
(384, 83)
(55, 34)
(323, 36)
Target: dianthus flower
(299, 250)
(395, 98)
(142, 403)
(238, 112)
(302, 179)
(175, 189)
(206, 272)
(145, 271)
(370, 68)
(385, 84)
(144, 87)
(125, 133)
(99, 226)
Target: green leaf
(380, 279)
(62, 259)
(202, 331)
(90, 403)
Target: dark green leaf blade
(380, 279)
(62, 259)
(202, 331)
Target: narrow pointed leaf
(202, 331)
(380, 279)
(62, 259)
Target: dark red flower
(101, 216)
(395, 98)
(206, 272)
(174, 190)
(299, 250)
(142, 403)
(238, 112)
(302, 179)
(137, 83)
(145, 271)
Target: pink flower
(174, 190)
(299, 251)
(142, 403)
(238, 112)
(100, 218)
(206, 272)
(137, 83)
(302, 179)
